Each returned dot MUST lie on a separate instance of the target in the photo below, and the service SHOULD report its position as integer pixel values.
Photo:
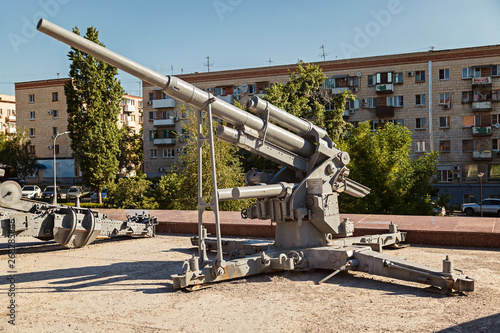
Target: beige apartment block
(42, 112)
(7, 114)
(450, 101)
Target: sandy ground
(125, 286)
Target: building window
(32, 98)
(398, 77)
(55, 114)
(470, 72)
(494, 144)
(56, 148)
(467, 146)
(495, 70)
(444, 146)
(371, 80)
(167, 153)
(372, 102)
(32, 115)
(444, 99)
(420, 99)
(400, 122)
(420, 76)
(494, 172)
(395, 101)
(151, 116)
(252, 89)
(420, 123)
(32, 150)
(445, 176)
(444, 122)
(151, 135)
(444, 74)
(55, 96)
(55, 131)
(419, 146)
(153, 153)
(32, 132)
(383, 77)
(467, 97)
(495, 119)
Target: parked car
(49, 192)
(104, 194)
(31, 191)
(491, 206)
(73, 192)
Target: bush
(130, 193)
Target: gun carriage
(302, 198)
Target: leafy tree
(179, 190)
(131, 193)
(303, 97)
(380, 159)
(15, 152)
(131, 151)
(93, 102)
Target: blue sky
(179, 35)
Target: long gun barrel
(182, 91)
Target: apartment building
(450, 100)
(41, 111)
(7, 114)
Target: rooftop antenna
(269, 61)
(431, 48)
(323, 54)
(172, 69)
(57, 75)
(208, 63)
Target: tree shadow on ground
(484, 324)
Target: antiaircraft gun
(302, 198)
(72, 227)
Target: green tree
(15, 152)
(131, 193)
(93, 102)
(304, 97)
(131, 150)
(380, 159)
(179, 189)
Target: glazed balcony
(163, 103)
(481, 155)
(481, 131)
(164, 141)
(481, 106)
(164, 122)
(384, 88)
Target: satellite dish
(359, 74)
(244, 88)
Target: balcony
(129, 108)
(228, 98)
(340, 90)
(481, 131)
(163, 103)
(10, 130)
(481, 106)
(164, 122)
(164, 141)
(384, 111)
(10, 119)
(131, 124)
(384, 88)
(481, 80)
(481, 155)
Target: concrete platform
(427, 230)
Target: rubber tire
(469, 211)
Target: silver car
(491, 206)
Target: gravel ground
(125, 286)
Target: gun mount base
(250, 257)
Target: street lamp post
(480, 175)
(54, 199)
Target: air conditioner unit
(355, 89)
(410, 73)
(381, 121)
(209, 89)
(446, 106)
(160, 169)
(363, 100)
(50, 112)
(51, 147)
(497, 125)
(149, 103)
(457, 167)
(178, 150)
(351, 111)
(176, 118)
(456, 174)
